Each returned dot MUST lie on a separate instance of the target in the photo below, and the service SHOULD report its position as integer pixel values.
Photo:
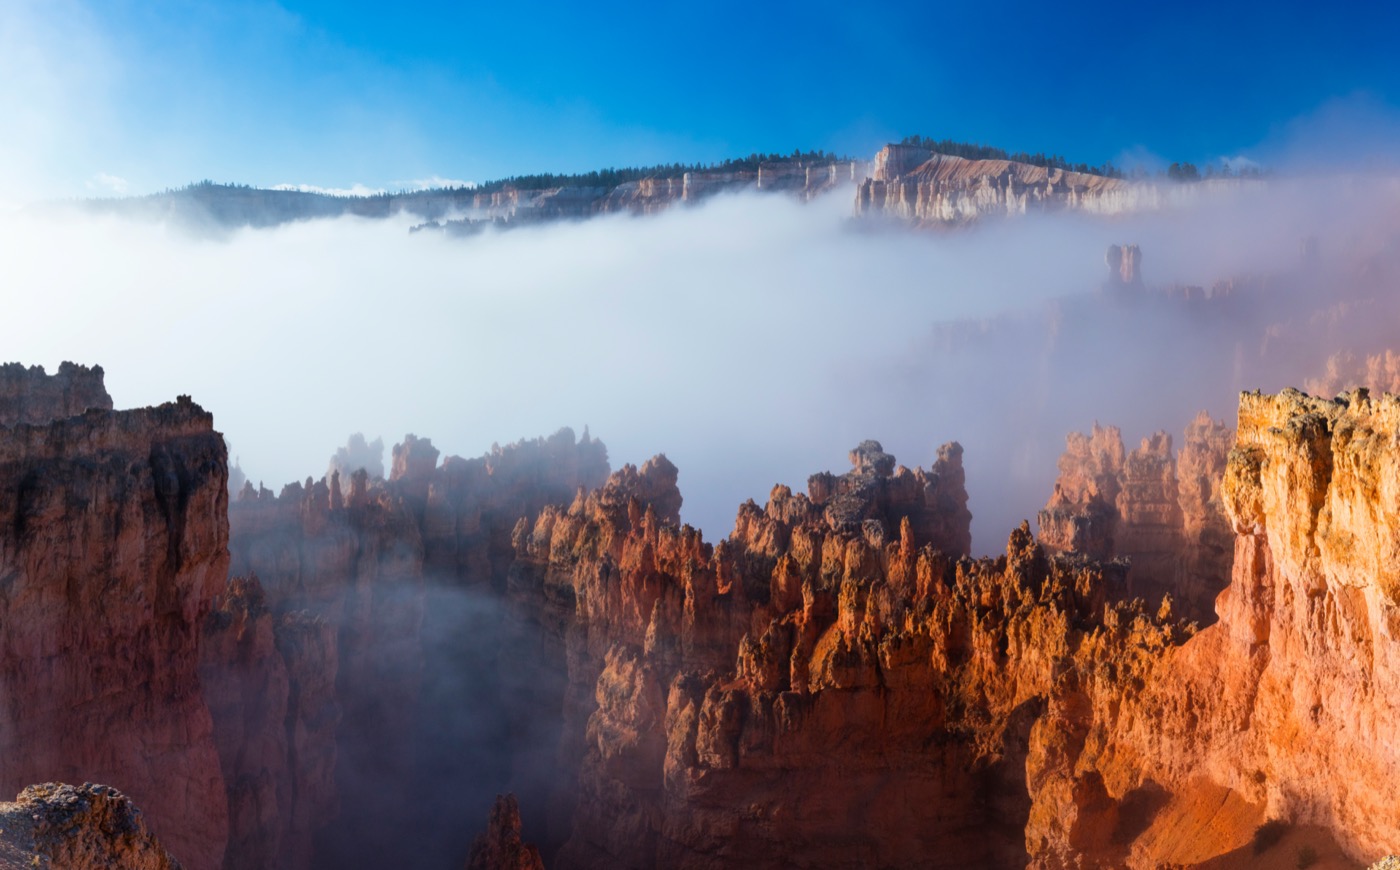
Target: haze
(753, 339)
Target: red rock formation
(88, 827)
(1172, 527)
(819, 688)
(112, 546)
(28, 395)
(1282, 709)
(500, 846)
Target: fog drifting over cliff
(753, 339)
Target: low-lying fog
(753, 339)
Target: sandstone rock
(28, 395)
(87, 827)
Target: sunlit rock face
(821, 687)
(113, 544)
(1283, 709)
(1159, 509)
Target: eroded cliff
(112, 547)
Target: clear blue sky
(161, 92)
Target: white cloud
(108, 184)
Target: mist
(753, 339)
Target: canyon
(1191, 662)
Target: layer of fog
(753, 339)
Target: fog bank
(753, 339)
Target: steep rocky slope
(112, 546)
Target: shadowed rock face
(112, 544)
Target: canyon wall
(1160, 510)
(112, 546)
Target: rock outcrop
(87, 827)
(112, 546)
(1161, 511)
(500, 846)
(29, 395)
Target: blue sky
(137, 96)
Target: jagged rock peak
(30, 395)
(876, 497)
